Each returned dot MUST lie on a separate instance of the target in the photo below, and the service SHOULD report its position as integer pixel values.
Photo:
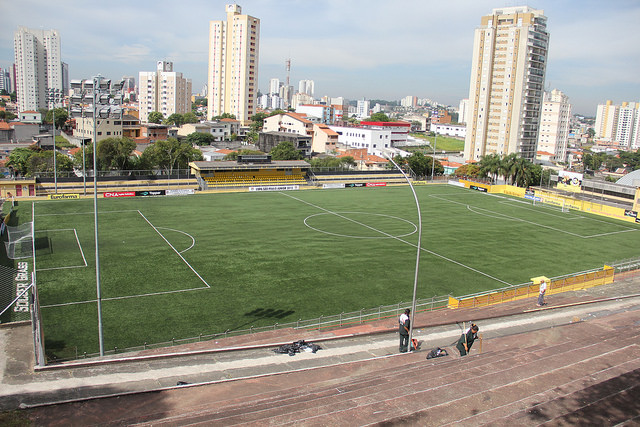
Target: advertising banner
(376, 184)
(275, 188)
(182, 192)
(333, 185)
(150, 193)
(570, 181)
(63, 196)
(110, 194)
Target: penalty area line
(175, 250)
(123, 297)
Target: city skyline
(352, 49)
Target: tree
(190, 118)
(88, 158)
(470, 170)
(61, 117)
(419, 163)
(252, 136)
(155, 117)
(171, 154)
(257, 121)
(114, 153)
(42, 161)
(224, 116)
(379, 117)
(174, 119)
(591, 132)
(5, 115)
(489, 166)
(19, 158)
(285, 151)
(200, 138)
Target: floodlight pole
(53, 94)
(419, 246)
(96, 82)
(433, 159)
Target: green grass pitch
(177, 267)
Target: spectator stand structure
(250, 171)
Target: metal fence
(365, 315)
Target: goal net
(551, 202)
(19, 242)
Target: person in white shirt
(543, 289)
(405, 323)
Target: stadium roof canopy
(632, 179)
(232, 165)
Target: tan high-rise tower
(507, 83)
(233, 65)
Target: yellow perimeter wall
(557, 200)
(573, 283)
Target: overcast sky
(352, 48)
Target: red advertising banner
(376, 184)
(119, 194)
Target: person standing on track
(543, 289)
(404, 326)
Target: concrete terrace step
(296, 405)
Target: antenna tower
(288, 64)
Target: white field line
(400, 240)
(85, 213)
(193, 240)
(175, 250)
(508, 217)
(123, 297)
(79, 247)
(207, 286)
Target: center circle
(345, 216)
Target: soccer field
(177, 267)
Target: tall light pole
(419, 246)
(97, 80)
(433, 159)
(54, 97)
(103, 106)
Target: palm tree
(490, 166)
(507, 167)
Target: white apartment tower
(274, 86)
(306, 86)
(163, 90)
(38, 67)
(618, 124)
(507, 80)
(555, 120)
(233, 65)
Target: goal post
(552, 202)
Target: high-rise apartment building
(233, 65)
(163, 90)
(38, 66)
(274, 86)
(618, 124)
(555, 120)
(606, 121)
(306, 86)
(507, 83)
(5, 81)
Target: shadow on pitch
(265, 313)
